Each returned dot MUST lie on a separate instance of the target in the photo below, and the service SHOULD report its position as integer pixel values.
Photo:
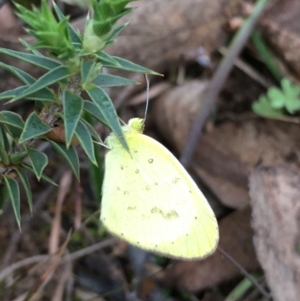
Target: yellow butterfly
(151, 201)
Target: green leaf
(4, 146)
(17, 158)
(73, 107)
(12, 119)
(92, 130)
(105, 105)
(266, 55)
(43, 177)
(75, 37)
(289, 89)
(128, 66)
(29, 48)
(34, 127)
(94, 110)
(263, 108)
(96, 172)
(294, 92)
(22, 75)
(15, 133)
(292, 105)
(105, 58)
(102, 28)
(4, 195)
(38, 161)
(277, 98)
(25, 182)
(13, 123)
(13, 93)
(44, 94)
(108, 80)
(14, 195)
(97, 175)
(53, 76)
(36, 60)
(69, 154)
(87, 68)
(242, 287)
(85, 139)
(6, 140)
(115, 33)
(286, 85)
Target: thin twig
(249, 70)
(69, 257)
(246, 274)
(64, 187)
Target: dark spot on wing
(175, 180)
(131, 208)
(122, 167)
(169, 215)
(137, 171)
(150, 160)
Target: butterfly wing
(152, 202)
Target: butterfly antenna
(122, 120)
(147, 97)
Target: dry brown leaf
(276, 222)
(236, 240)
(7, 18)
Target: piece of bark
(275, 204)
(236, 240)
(225, 153)
(281, 28)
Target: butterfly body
(151, 201)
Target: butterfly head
(135, 124)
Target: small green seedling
(278, 102)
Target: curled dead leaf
(58, 134)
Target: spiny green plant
(74, 62)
